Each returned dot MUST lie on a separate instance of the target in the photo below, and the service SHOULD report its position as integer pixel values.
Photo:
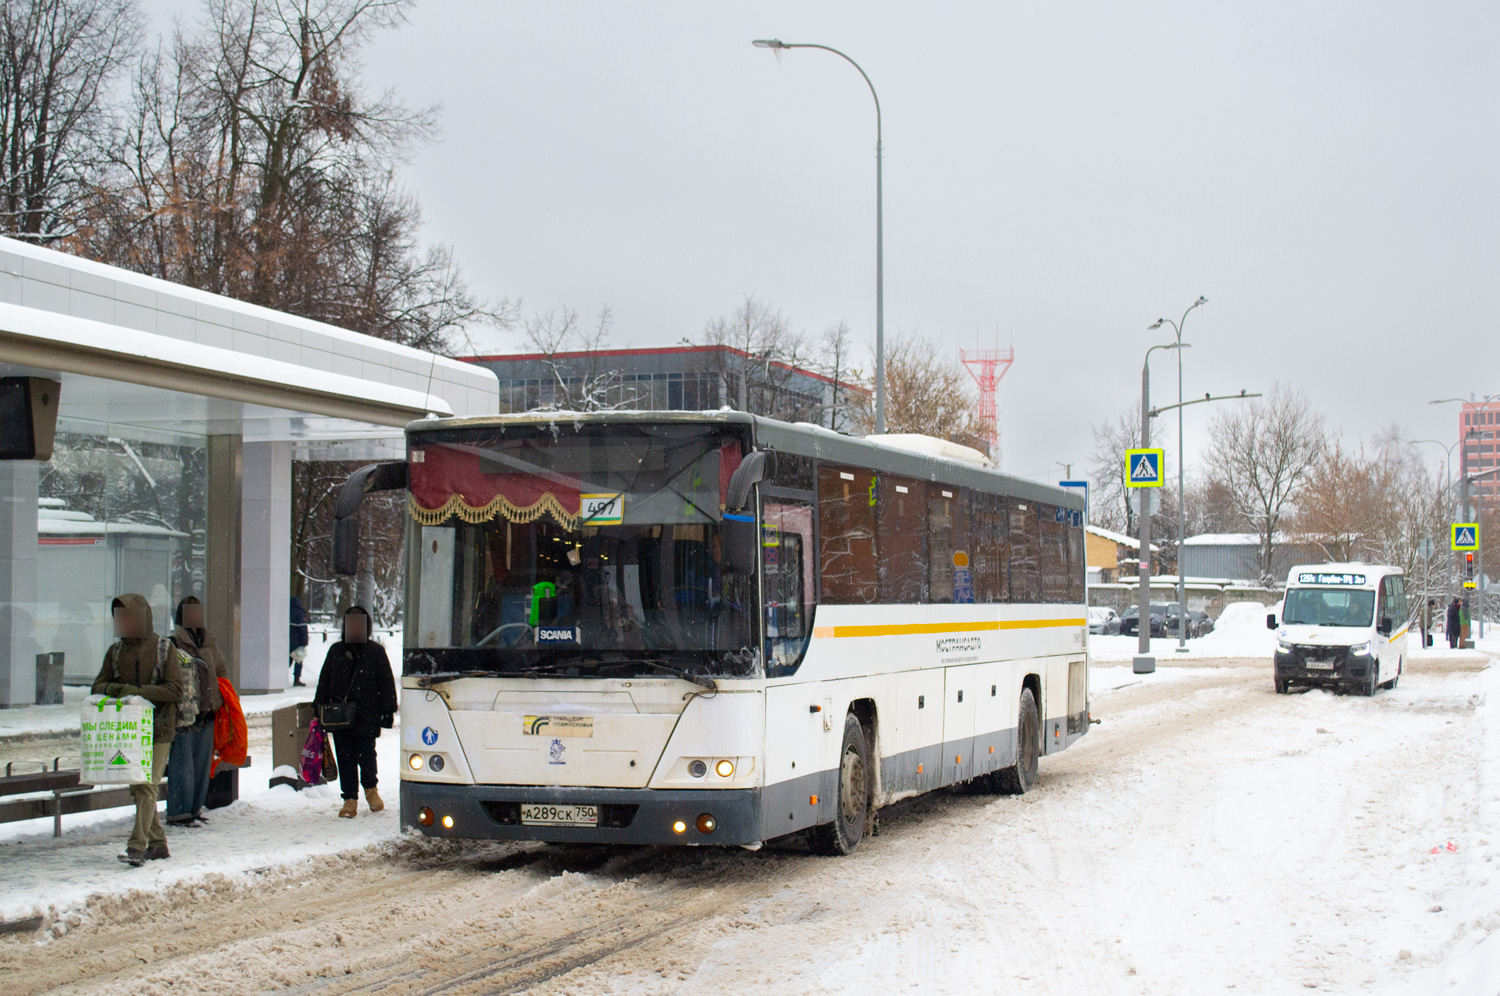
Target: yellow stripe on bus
(909, 629)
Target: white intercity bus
(715, 628)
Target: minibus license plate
(1321, 665)
(536, 815)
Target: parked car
(1202, 623)
(1130, 621)
(1103, 620)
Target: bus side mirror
(1386, 625)
(1270, 620)
(375, 477)
(750, 472)
(740, 537)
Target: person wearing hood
(193, 749)
(137, 663)
(357, 671)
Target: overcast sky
(1059, 175)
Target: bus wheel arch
(851, 801)
(1019, 777)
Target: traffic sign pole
(1144, 663)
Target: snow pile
(1240, 631)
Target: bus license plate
(534, 815)
(1320, 665)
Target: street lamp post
(778, 44)
(1144, 663)
(1177, 326)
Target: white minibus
(1342, 626)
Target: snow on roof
(915, 442)
(116, 340)
(1120, 538)
(1223, 539)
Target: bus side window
(1025, 574)
(988, 549)
(846, 526)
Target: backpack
(187, 705)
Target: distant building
(1236, 556)
(670, 378)
(1481, 452)
(1111, 556)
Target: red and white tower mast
(987, 366)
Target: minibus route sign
(1342, 579)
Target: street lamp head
(769, 43)
(1201, 300)
(1155, 325)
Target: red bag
(231, 738)
(312, 755)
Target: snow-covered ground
(266, 827)
(1207, 836)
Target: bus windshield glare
(1328, 607)
(573, 548)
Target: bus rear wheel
(852, 804)
(1021, 776)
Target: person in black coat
(356, 670)
(1454, 624)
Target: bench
(70, 795)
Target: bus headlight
(447, 823)
(415, 761)
(424, 816)
(434, 763)
(679, 826)
(707, 824)
(697, 768)
(725, 768)
(1360, 649)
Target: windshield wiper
(697, 679)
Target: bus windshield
(1328, 607)
(569, 548)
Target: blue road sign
(1465, 535)
(1144, 468)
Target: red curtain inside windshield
(446, 481)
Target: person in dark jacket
(1454, 624)
(297, 641)
(193, 749)
(356, 670)
(136, 664)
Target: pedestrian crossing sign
(1144, 469)
(1466, 536)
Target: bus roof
(801, 438)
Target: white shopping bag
(116, 738)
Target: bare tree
(927, 392)
(253, 164)
(57, 58)
(1108, 505)
(848, 391)
(1263, 453)
(760, 357)
(581, 378)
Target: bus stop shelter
(180, 415)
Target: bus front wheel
(1021, 776)
(853, 800)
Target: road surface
(1207, 836)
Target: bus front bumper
(626, 816)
